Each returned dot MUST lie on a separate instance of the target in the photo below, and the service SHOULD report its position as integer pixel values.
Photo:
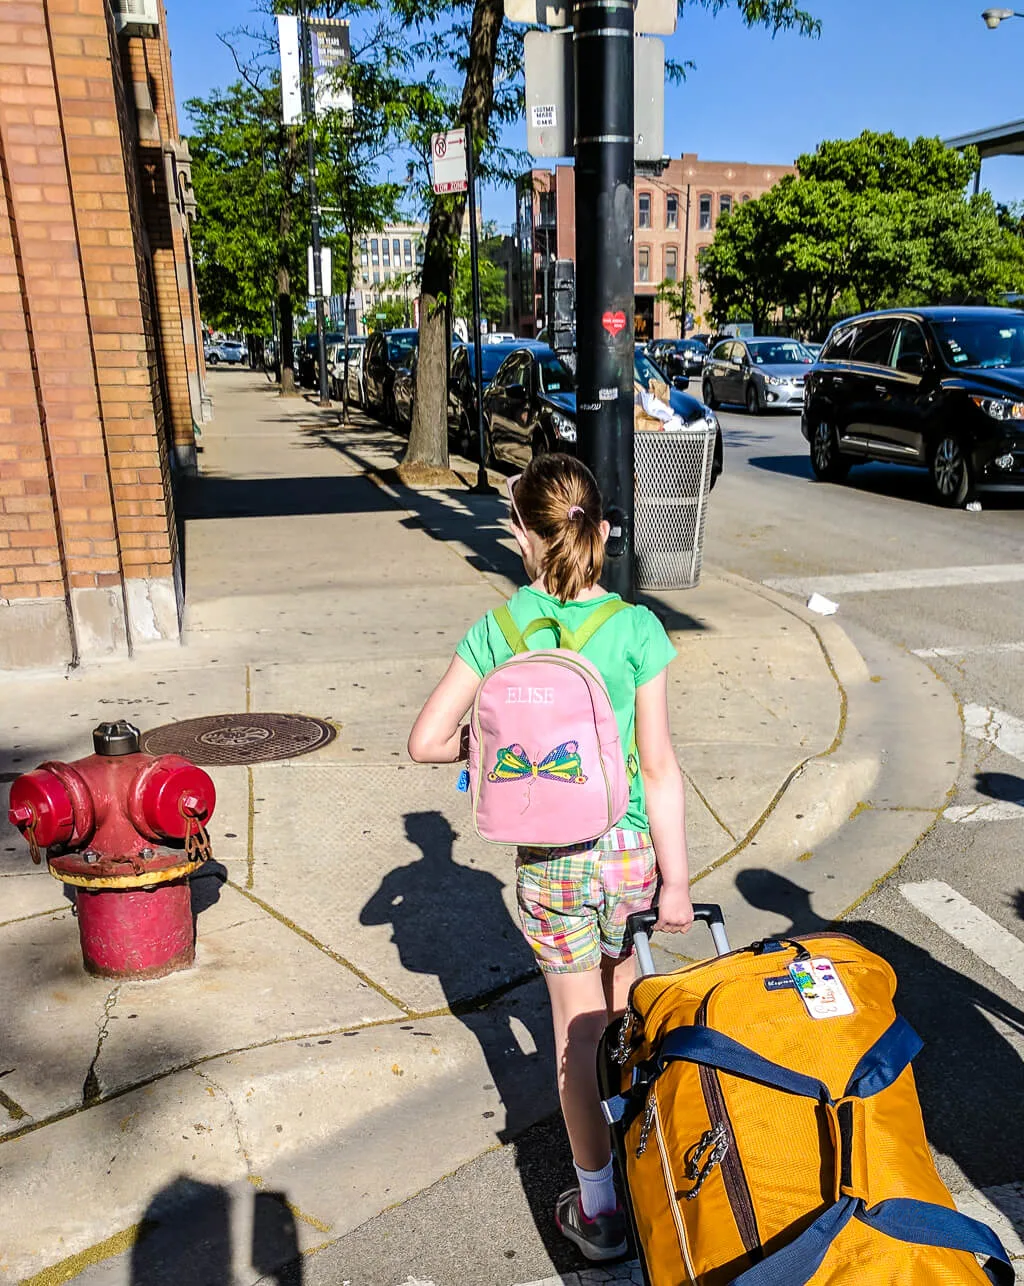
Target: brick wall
(87, 527)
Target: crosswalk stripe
(969, 649)
(1001, 810)
(905, 578)
(1002, 730)
(970, 926)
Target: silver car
(761, 374)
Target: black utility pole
(309, 112)
(483, 486)
(603, 51)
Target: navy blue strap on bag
(917, 1222)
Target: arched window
(725, 203)
(671, 263)
(644, 202)
(643, 263)
(704, 220)
(744, 198)
(671, 211)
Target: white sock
(597, 1190)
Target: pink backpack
(546, 766)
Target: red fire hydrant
(104, 822)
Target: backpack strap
(510, 630)
(598, 617)
(575, 641)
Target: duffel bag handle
(640, 924)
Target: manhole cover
(239, 738)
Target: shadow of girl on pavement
(969, 1074)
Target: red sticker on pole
(614, 323)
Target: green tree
(493, 294)
(868, 222)
(677, 294)
(488, 55)
(252, 228)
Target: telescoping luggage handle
(640, 924)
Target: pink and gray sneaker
(599, 1239)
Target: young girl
(573, 902)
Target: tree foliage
(678, 296)
(867, 223)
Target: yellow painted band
(133, 881)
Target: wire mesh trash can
(673, 480)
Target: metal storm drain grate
(239, 738)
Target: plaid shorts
(573, 903)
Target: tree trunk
(428, 437)
(284, 287)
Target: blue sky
(911, 66)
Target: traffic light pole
(483, 486)
(309, 112)
(603, 52)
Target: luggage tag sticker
(820, 989)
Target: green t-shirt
(628, 651)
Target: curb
(846, 818)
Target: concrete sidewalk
(361, 982)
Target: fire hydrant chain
(197, 840)
(33, 843)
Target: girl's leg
(617, 976)
(579, 1011)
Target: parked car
(462, 421)
(404, 390)
(678, 356)
(386, 351)
(230, 351)
(530, 406)
(356, 356)
(813, 349)
(762, 374)
(307, 371)
(940, 388)
(335, 367)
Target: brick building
(674, 220)
(101, 367)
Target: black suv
(941, 388)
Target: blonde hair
(558, 499)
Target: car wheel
(827, 461)
(709, 395)
(753, 401)
(391, 412)
(950, 472)
(212, 360)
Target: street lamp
(993, 17)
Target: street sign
(550, 114)
(325, 269)
(448, 161)
(291, 77)
(650, 17)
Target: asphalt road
(950, 919)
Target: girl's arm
(437, 735)
(666, 803)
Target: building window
(645, 210)
(374, 253)
(672, 211)
(376, 276)
(725, 204)
(744, 198)
(671, 263)
(704, 222)
(385, 247)
(408, 252)
(364, 252)
(396, 250)
(419, 253)
(643, 261)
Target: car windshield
(554, 377)
(690, 346)
(400, 347)
(983, 342)
(644, 370)
(778, 353)
(491, 357)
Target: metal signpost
(451, 157)
(605, 106)
(314, 213)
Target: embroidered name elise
(530, 696)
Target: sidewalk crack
(91, 1092)
(213, 1088)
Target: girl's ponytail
(559, 500)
